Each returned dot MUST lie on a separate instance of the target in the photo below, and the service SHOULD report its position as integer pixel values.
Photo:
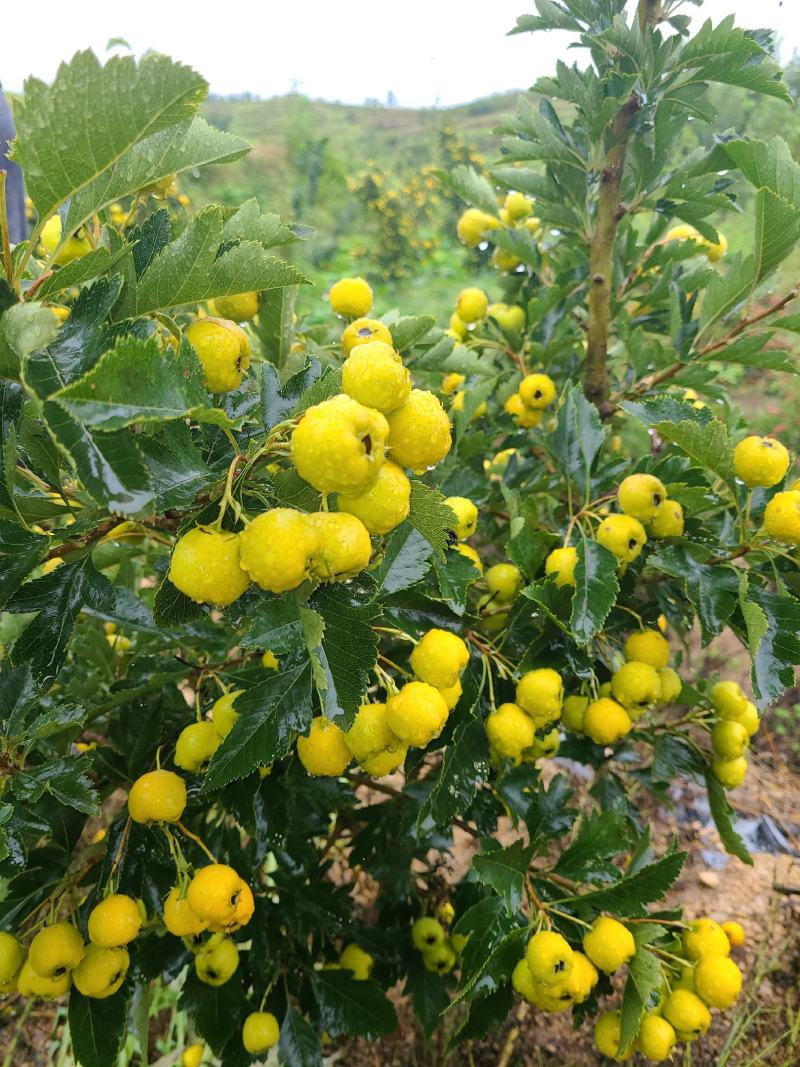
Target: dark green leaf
(644, 980)
(171, 607)
(596, 589)
(504, 870)
(405, 560)
(722, 815)
(462, 772)
(98, 1027)
(430, 516)
(599, 839)
(578, 436)
(275, 625)
(454, 577)
(177, 470)
(630, 895)
(350, 1007)
(298, 1045)
(20, 552)
(773, 635)
(429, 995)
(350, 645)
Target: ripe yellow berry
(452, 694)
(195, 746)
(573, 713)
(671, 684)
(223, 713)
(518, 206)
(466, 514)
(278, 549)
(473, 224)
(667, 521)
(549, 957)
(472, 556)
(269, 661)
(416, 714)
(385, 504)
(647, 646)
(12, 956)
(357, 961)
(419, 432)
(426, 933)
(215, 892)
(582, 978)
(179, 918)
(636, 686)
(206, 566)
(760, 461)
(540, 694)
(510, 731)
(238, 308)
(504, 581)
(446, 912)
(546, 746)
(345, 546)
(560, 565)
(471, 305)
(687, 1013)
(115, 921)
(439, 657)
(522, 981)
(505, 261)
(101, 972)
(452, 382)
(728, 699)
(656, 1038)
(730, 773)
(538, 391)
(729, 739)
(338, 445)
(606, 721)
(350, 297)
(623, 536)
(718, 981)
(782, 517)
(361, 331)
(641, 495)
(217, 962)
(440, 959)
(192, 1055)
(526, 418)
(374, 375)
(735, 933)
(223, 350)
(260, 1032)
(607, 1032)
(460, 331)
(158, 796)
(509, 317)
(609, 944)
(370, 733)
(704, 938)
(31, 984)
(385, 762)
(324, 752)
(55, 949)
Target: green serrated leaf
(463, 770)
(350, 1007)
(596, 589)
(430, 516)
(298, 1045)
(630, 895)
(80, 271)
(722, 814)
(504, 870)
(578, 436)
(644, 981)
(471, 186)
(773, 635)
(405, 561)
(97, 1027)
(350, 646)
(171, 607)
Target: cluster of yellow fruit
(730, 736)
(711, 980)
(527, 406)
(526, 730)
(762, 462)
(440, 949)
(475, 227)
(645, 511)
(553, 976)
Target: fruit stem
(198, 841)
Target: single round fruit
(656, 1038)
(473, 224)
(729, 739)
(223, 350)
(459, 331)
(324, 752)
(426, 933)
(687, 1013)
(510, 731)
(385, 504)
(346, 547)
(728, 699)
(179, 918)
(573, 713)
(606, 721)
(466, 514)
(218, 962)
(505, 261)
(735, 933)
(374, 375)
(55, 949)
(278, 549)
(206, 566)
(748, 717)
(223, 712)
(760, 461)
(440, 959)
(195, 746)
(192, 1055)
(471, 305)
(671, 684)
(439, 657)
(560, 565)
(504, 581)
(641, 495)
(30, 984)
(452, 694)
(357, 961)
(350, 297)
(101, 972)
(549, 957)
(782, 517)
(667, 521)
(417, 713)
(623, 536)
(538, 391)
(647, 646)
(607, 1032)
(544, 747)
(704, 938)
(509, 317)
(385, 762)
(526, 418)
(260, 1032)
(361, 331)
(115, 921)
(522, 981)
(158, 796)
(419, 432)
(730, 773)
(518, 206)
(472, 556)
(338, 445)
(609, 944)
(12, 956)
(238, 308)
(215, 892)
(452, 382)
(636, 686)
(540, 694)
(582, 978)
(370, 733)
(718, 981)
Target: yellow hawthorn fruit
(324, 752)
(538, 391)
(350, 297)
(473, 224)
(533, 225)
(471, 305)
(179, 918)
(215, 893)
(656, 1038)
(338, 445)
(374, 375)
(687, 1013)
(260, 1032)
(540, 694)
(426, 933)
(419, 432)
(115, 921)
(582, 978)
(728, 699)
(101, 972)
(667, 521)
(361, 331)
(623, 536)
(526, 418)
(728, 739)
(345, 546)
(269, 661)
(242, 915)
(782, 517)
(55, 949)
(607, 1032)
(647, 646)
(158, 796)
(505, 261)
(606, 721)
(206, 566)
(735, 933)
(609, 944)
(240, 307)
(715, 251)
(683, 232)
(522, 981)
(440, 959)
(50, 565)
(31, 984)
(192, 1055)
(223, 350)
(560, 565)
(544, 747)
(504, 581)
(509, 317)
(385, 504)
(416, 714)
(195, 746)
(278, 549)
(549, 957)
(357, 961)
(385, 762)
(574, 712)
(217, 962)
(458, 329)
(466, 514)
(12, 956)
(730, 773)
(74, 247)
(718, 981)
(452, 694)
(452, 382)
(747, 716)
(636, 686)
(471, 554)
(370, 733)
(641, 495)
(671, 684)
(760, 461)
(439, 657)
(604, 690)
(705, 937)
(509, 730)
(223, 713)
(518, 206)
(446, 912)
(458, 942)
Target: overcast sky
(425, 51)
